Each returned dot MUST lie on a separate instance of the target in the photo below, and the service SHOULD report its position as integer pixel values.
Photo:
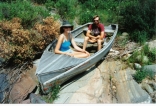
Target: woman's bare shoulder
(61, 36)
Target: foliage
(67, 10)
(40, 1)
(52, 95)
(139, 36)
(139, 19)
(20, 45)
(49, 29)
(25, 10)
(50, 4)
(151, 53)
(140, 75)
(139, 56)
(105, 9)
(7, 0)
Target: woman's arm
(58, 45)
(75, 45)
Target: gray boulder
(35, 99)
(3, 86)
(147, 87)
(150, 68)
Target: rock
(23, 87)
(2, 60)
(26, 101)
(125, 57)
(149, 68)
(37, 90)
(3, 86)
(131, 46)
(125, 34)
(107, 83)
(35, 99)
(145, 59)
(152, 44)
(128, 91)
(154, 85)
(137, 66)
(147, 87)
(142, 59)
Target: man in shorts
(95, 33)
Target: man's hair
(95, 17)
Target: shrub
(52, 95)
(25, 10)
(139, 36)
(105, 9)
(67, 10)
(140, 75)
(139, 17)
(39, 1)
(20, 45)
(144, 57)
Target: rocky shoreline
(109, 81)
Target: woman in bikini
(65, 40)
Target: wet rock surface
(3, 86)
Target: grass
(143, 55)
(140, 75)
(50, 97)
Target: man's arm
(102, 33)
(89, 34)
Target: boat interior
(50, 67)
(91, 47)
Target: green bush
(7, 1)
(24, 10)
(52, 95)
(139, 17)
(139, 56)
(151, 53)
(140, 75)
(39, 1)
(50, 4)
(66, 10)
(85, 17)
(105, 9)
(139, 36)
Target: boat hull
(70, 72)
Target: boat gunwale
(88, 59)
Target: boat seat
(81, 40)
